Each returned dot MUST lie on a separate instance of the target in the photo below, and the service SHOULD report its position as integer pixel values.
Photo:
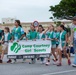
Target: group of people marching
(58, 37)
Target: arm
(2, 39)
(46, 30)
(21, 37)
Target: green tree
(64, 10)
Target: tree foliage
(65, 9)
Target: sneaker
(59, 64)
(23, 61)
(47, 64)
(42, 62)
(1, 61)
(55, 60)
(55, 63)
(69, 62)
(13, 61)
(74, 65)
(9, 61)
(32, 61)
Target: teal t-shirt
(52, 35)
(17, 33)
(32, 35)
(63, 38)
(57, 37)
(40, 35)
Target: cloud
(26, 10)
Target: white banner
(29, 47)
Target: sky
(27, 10)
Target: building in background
(26, 25)
(8, 20)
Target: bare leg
(2, 55)
(53, 52)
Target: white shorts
(53, 46)
(4, 46)
(60, 47)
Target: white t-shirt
(6, 37)
(73, 27)
(40, 35)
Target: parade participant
(5, 40)
(68, 33)
(57, 31)
(62, 45)
(40, 35)
(51, 36)
(73, 38)
(66, 53)
(32, 35)
(17, 33)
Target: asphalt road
(36, 69)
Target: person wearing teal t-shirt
(5, 40)
(32, 35)
(57, 32)
(41, 35)
(63, 39)
(51, 36)
(17, 34)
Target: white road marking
(62, 72)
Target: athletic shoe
(47, 64)
(74, 65)
(59, 64)
(43, 62)
(13, 61)
(69, 62)
(55, 63)
(9, 61)
(1, 61)
(23, 61)
(55, 60)
(32, 61)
